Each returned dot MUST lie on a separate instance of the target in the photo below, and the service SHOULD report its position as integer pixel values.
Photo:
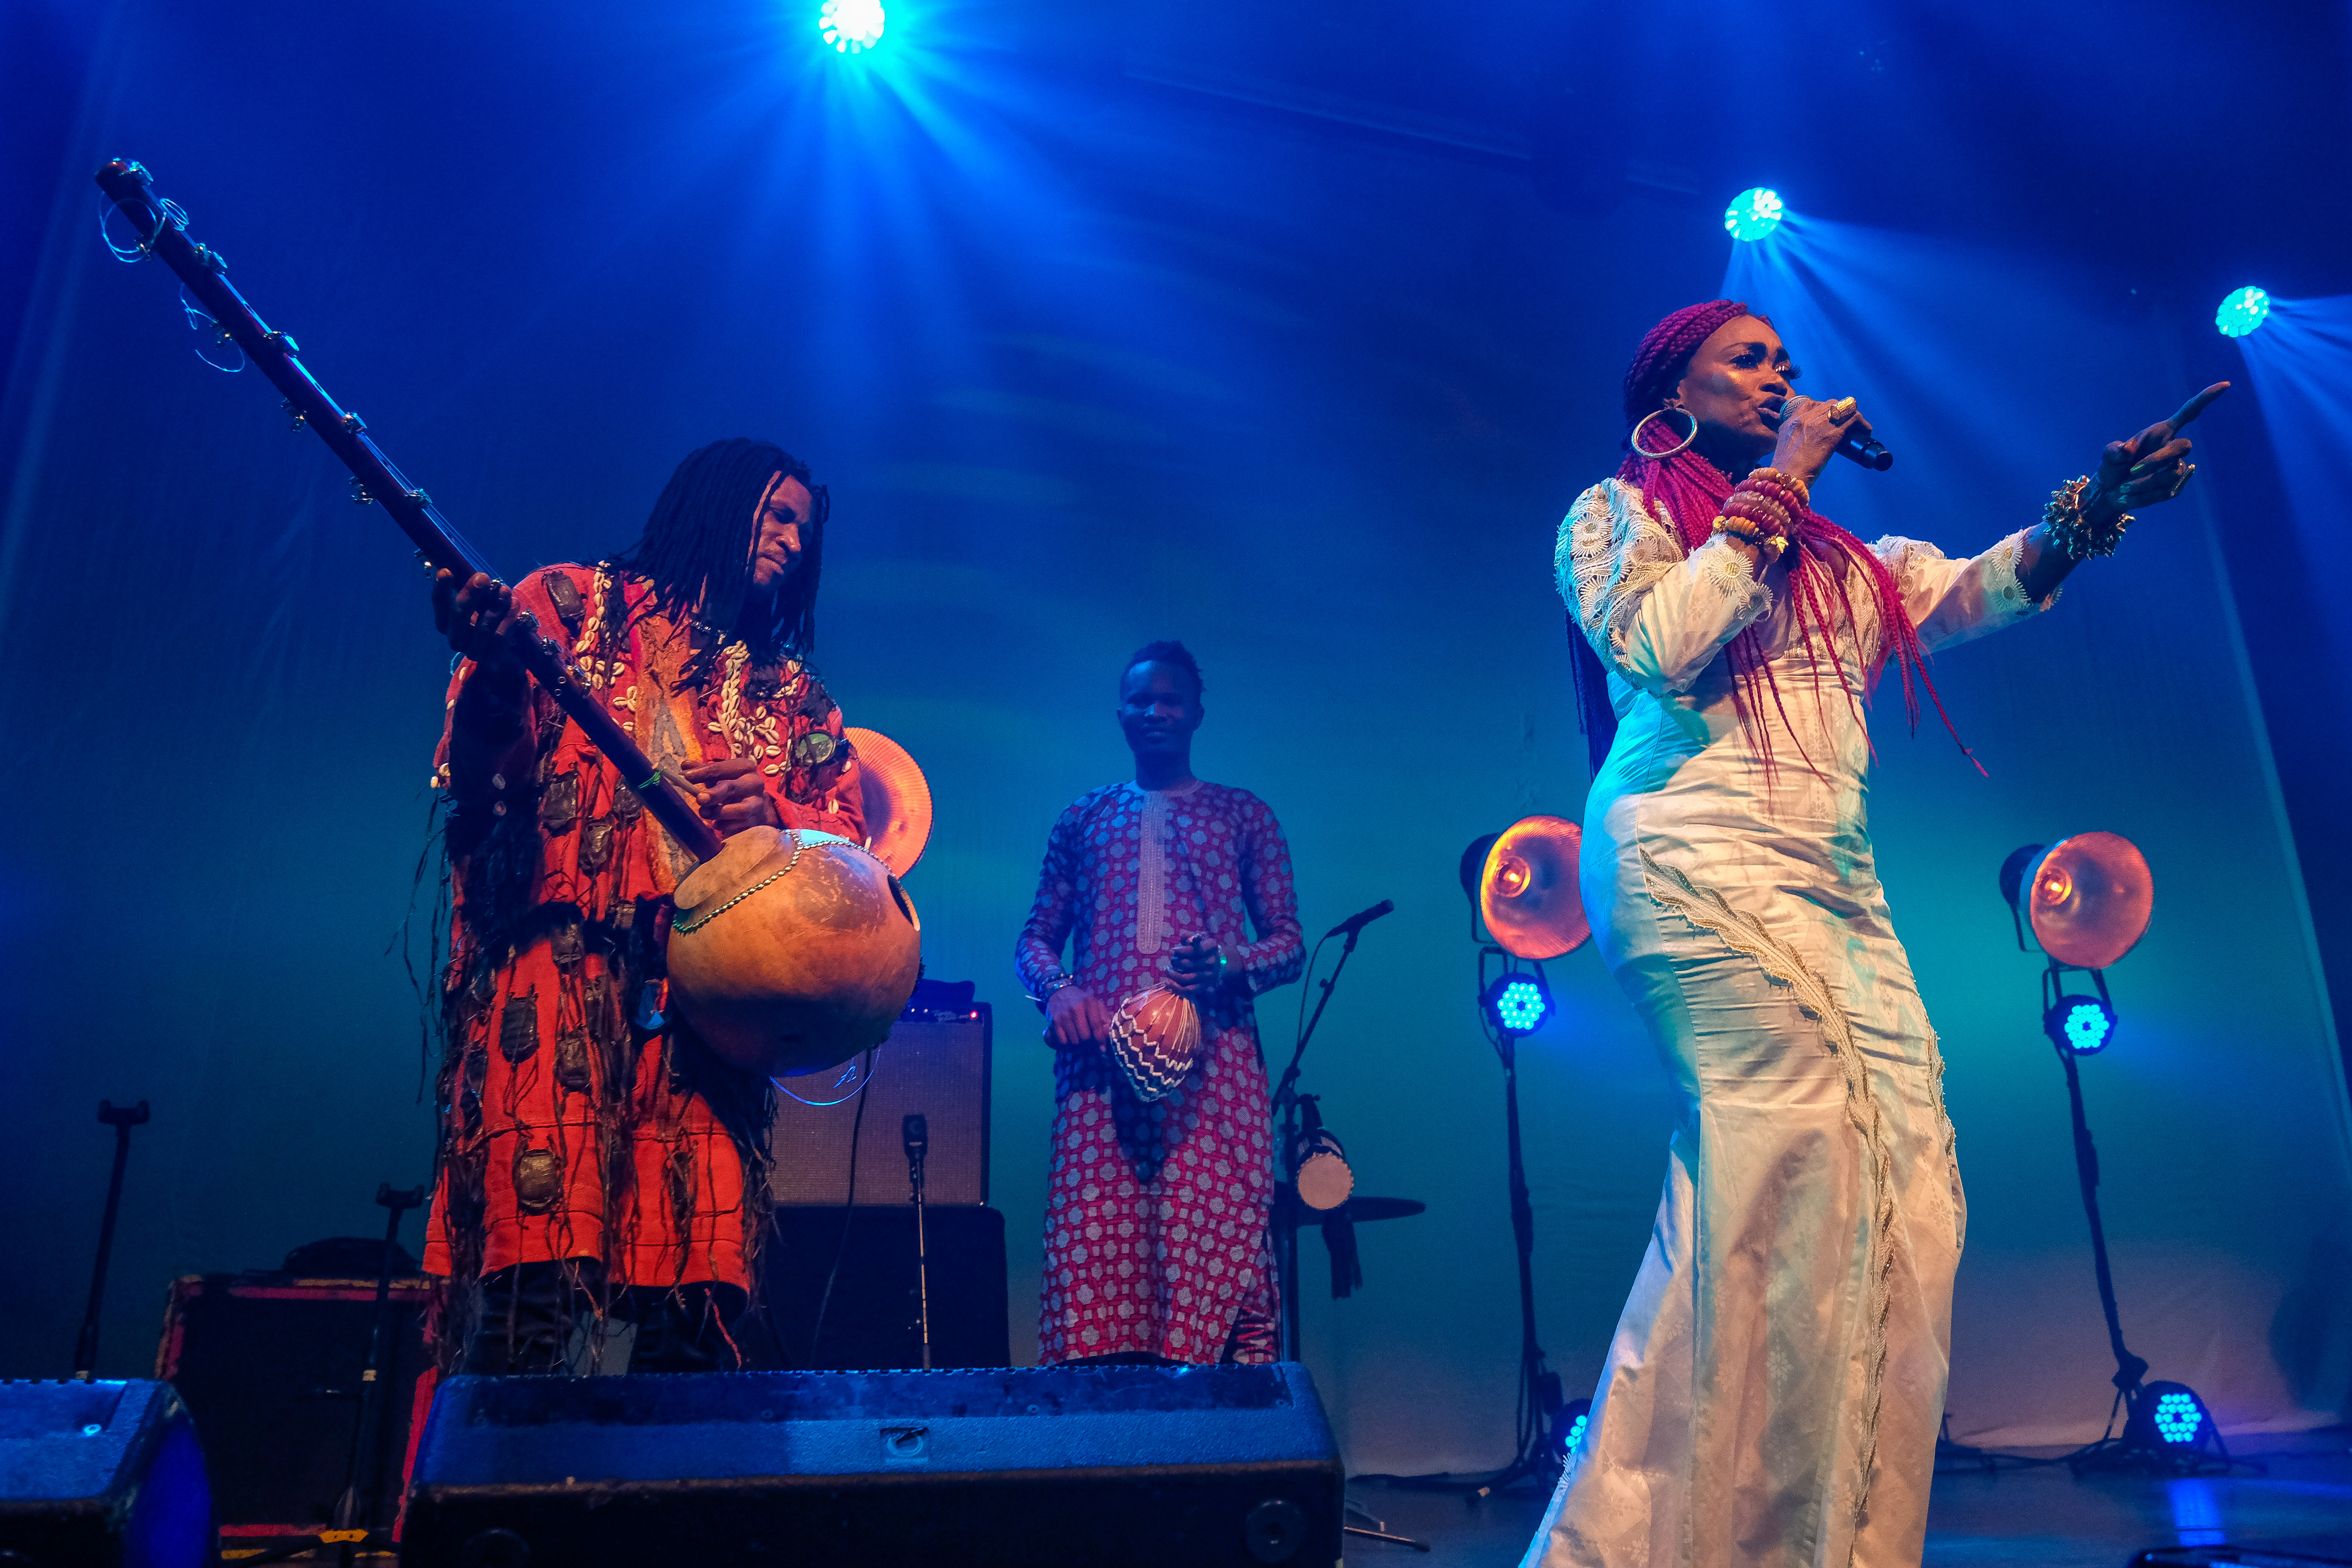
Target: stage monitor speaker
(935, 1063)
(1038, 1467)
(270, 1364)
(873, 1316)
(2299, 1552)
(100, 1475)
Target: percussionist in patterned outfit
(597, 1162)
(1162, 1183)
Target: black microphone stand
(122, 1120)
(1286, 1197)
(916, 1131)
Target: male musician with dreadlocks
(1772, 1395)
(597, 1162)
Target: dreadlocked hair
(1167, 652)
(697, 551)
(1686, 493)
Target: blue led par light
(1517, 1003)
(2242, 312)
(2167, 1418)
(850, 27)
(1753, 213)
(2082, 1025)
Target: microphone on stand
(1357, 922)
(915, 1131)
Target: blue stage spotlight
(2168, 1418)
(2242, 312)
(850, 25)
(1517, 1003)
(2082, 1025)
(1753, 213)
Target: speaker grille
(933, 1063)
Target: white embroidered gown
(1772, 1393)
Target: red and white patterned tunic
(1156, 1212)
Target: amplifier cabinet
(269, 1366)
(933, 1063)
(1034, 1467)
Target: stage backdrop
(1085, 363)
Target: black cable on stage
(848, 1210)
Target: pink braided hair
(1687, 492)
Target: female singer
(1774, 1389)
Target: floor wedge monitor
(1031, 1466)
(100, 1475)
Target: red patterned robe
(1156, 1224)
(573, 1125)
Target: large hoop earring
(1635, 440)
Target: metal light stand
(2131, 1371)
(1542, 1452)
(122, 1120)
(1540, 1409)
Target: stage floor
(2037, 1518)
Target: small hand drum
(1325, 1179)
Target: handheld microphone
(1861, 445)
(1868, 450)
(1357, 922)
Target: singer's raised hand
(1811, 433)
(2153, 466)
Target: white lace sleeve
(1654, 615)
(1952, 601)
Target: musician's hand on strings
(2151, 467)
(1196, 969)
(475, 616)
(1074, 1020)
(730, 794)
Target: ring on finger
(1843, 410)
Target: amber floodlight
(897, 797)
(2087, 898)
(1527, 889)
